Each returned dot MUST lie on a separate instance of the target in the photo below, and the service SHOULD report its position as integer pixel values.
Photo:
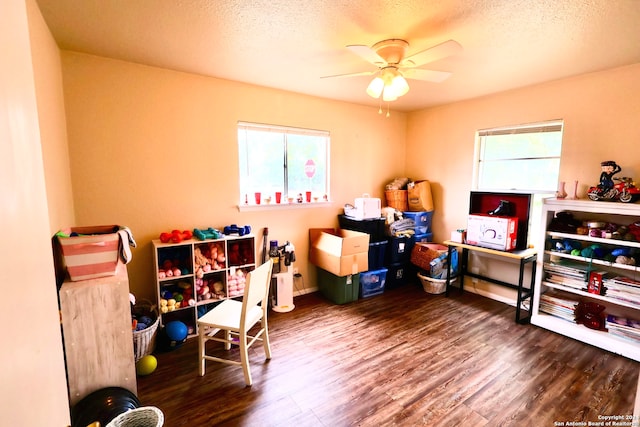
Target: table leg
(519, 297)
(448, 283)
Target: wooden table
(523, 257)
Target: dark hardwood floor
(403, 358)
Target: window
(285, 163)
(523, 158)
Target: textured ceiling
(291, 44)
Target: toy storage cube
(338, 289)
(372, 282)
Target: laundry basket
(144, 341)
(434, 286)
(145, 416)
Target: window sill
(282, 206)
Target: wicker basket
(434, 286)
(397, 199)
(146, 416)
(144, 341)
(423, 253)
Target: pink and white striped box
(93, 253)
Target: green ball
(146, 365)
(575, 252)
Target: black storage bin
(399, 250)
(377, 252)
(400, 274)
(375, 228)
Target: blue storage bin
(372, 282)
(422, 220)
(377, 252)
(424, 238)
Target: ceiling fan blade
(448, 48)
(426, 75)
(368, 54)
(362, 73)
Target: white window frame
(532, 128)
(538, 194)
(289, 198)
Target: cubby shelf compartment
(583, 210)
(239, 254)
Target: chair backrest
(256, 288)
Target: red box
(493, 232)
(93, 253)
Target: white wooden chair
(235, 319)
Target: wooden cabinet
(564, 269)
(98, 340)
(194, 275)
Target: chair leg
(265, 341)
(201, 349)
(227, 337)
(244, 359)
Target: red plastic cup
(257, 198)
(308, 196)
(278, 196)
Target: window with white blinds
(281, 161)
(519, 158)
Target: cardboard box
(93, 253)
(340, 252)
(364, 208)
(493, 232)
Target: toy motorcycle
(623, 190)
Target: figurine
(623, 190)
(608, 169)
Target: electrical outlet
(295, 270)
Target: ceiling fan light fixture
(399, 85)
(375, 88)
(388, 94)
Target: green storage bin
(338, 289)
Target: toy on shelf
(235, 229)
(208, 257)
(623, 189)
(208, 234)
(172, 268)
(240, 253)
(207, 289)
(236, 283)
(176, 236)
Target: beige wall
(600, 112)
(33, 391)
(52, 121)
(156, 150)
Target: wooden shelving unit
(238, 258)
(586, 210)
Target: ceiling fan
(394, 67)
